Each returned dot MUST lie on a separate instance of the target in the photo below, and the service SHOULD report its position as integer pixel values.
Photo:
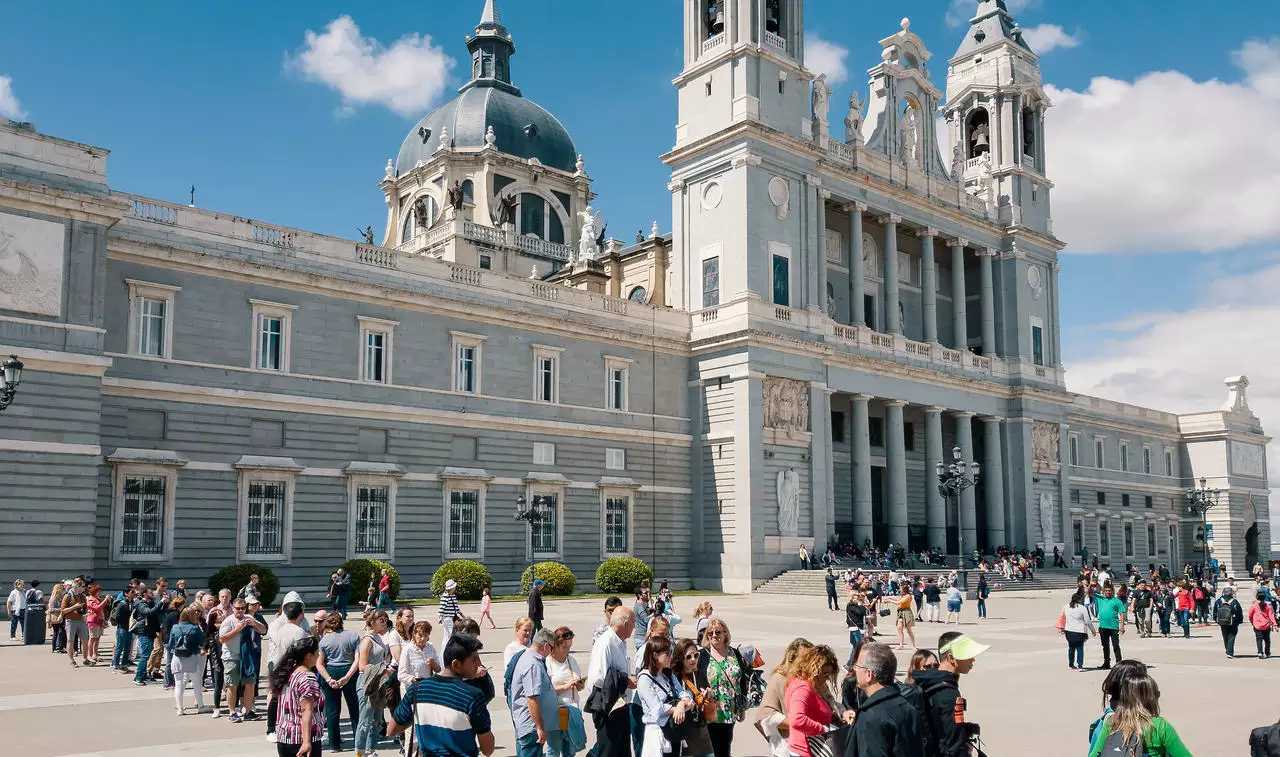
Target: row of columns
(929, 279)
(895, 483)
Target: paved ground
(1022, 693)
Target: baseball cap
(450, 585)
(963, 648)
(252, 600)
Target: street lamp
(1199, 502)
(531, 513)
(12, 377)
(954, 478)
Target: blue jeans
(124, 642)
(15, 622)
(855, 636)
(333, 705)
(1164, 622)
(367, 735)
(1184, 620)
(982, 607)
(144, 651)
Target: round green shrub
(362, 570)
(236, 577)
(621, 575)
(560, 581)
(471, 576)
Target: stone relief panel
(31, 263)
(788, 491)
(1044, 445)
(1248, 460)
(786, 404)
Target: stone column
(861, 468)
(968, 514)
(1053, 322)
(993, 480)
(892, 324)
(820, 464)
(896, 470)
(821, 302)
(857, 285)
(929, 286)
(935, 506)
(960, 318)
(988, 303)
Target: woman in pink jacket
(1263, 618)
(809, 711)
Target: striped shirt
(447, 715)
(449, 606)
(302, 686)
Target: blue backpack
(509, 674)
(188, 643)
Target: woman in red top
(1184, 603)
(809, 711)
(1263, 618)
(96, 606)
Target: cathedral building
(838, 307)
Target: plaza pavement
(1021, 691)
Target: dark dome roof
(468, 115)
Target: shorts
(95, 632)
(77, 630)
(906, 616)
(953, 607)
(231, 674)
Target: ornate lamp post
(1199, 502)
(12, 377)
(954, 478)
(530, 514)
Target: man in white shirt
(613, 731)
(17, 606)
(1104, 575)
(287, 628)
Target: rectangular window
(1148, 502)
(1074, 448)
(1101, 497)
(1124, 457)
(615, 459)
(544, 453)
(1146, 460)
(782, 280)
(711, 282)
(150, 315)
(486, 262)
(1077, 535)
(617, 373)
(142, 519)
(545, 376)
(1151, 540)
(869, 310)
(875, 430)
(1168, 463)
(1037, 345)
(467, 349)
(1075, 495)
(837, 427)
(1098, 461)
(1104, 539)
(1128, 540)
(371, 519)
(270, 343)
(375, 353)
(617, 514)
(464, 521)
(264, 529)
(546, 528)
(1124, 500)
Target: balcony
(775, 42)
(713, 43)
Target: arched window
(411, 228)
(638, 294)
(714, 17)
(468, 191)
(978, 133)
(486, 67)
(773, 16)
(1029, 133)
(533, 213)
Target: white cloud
(1166, 162)
(1047, 37)
(10, 108)
(823, 57)
(408, 77)
(960, 11)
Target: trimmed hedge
(362, 570)
(621, 575)
(235, 577)
(559, 580)
(471, 576)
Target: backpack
(916, 696)
(509, 674)
(188, 643)
(1118, 746)
(1224, 613)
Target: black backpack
(928, 736)
(1225, 613)
(1117, 746)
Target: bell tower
(995, 112)
(743, 60)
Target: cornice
(105, 210)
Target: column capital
(959, 242)
(934, 410)
(964, 414)
(861, 207)
(992, 419)
(824, 193)
(675, 185)
(891, 218)
(895, 403)
(928, 231)
(863, 397)
(988, 252)
(812, 180)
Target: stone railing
(615, 305)
(774, 41)
(709, 315)
(954, 357)
(486, 234)
(464, 275)
(276, 237)
(713, 42)
(883, 341)
(377, 256)
(543, 248)
(147, 210)
(781, 313)
(980, 362)
(546, 291)
(919, 349)
(840, 152)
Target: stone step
(812, 582)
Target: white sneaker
(217, 713)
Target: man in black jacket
(941, 689)
(832, 602)
(888, 725)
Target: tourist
(1200, 596)
(643, 614)
(923, 659)
(955, 600)
(855, 619)
(449, 611)
(230, 635)
(384, 590)
(418, 660)
(372, 652)
(486, 606)
(337, 669)
(657, 627)
(1183, 602)
(16, 605)
(1264, 741)
(147, 610)
(984, 591)
(160, 604)
(482, 682)
(1111, 619)
(340, 592)
(437, 706)
(667, 596)
(723, 672)
(53, 618)
(566, 675)
(1162, 605)
(210, 623)
(830, 580)
(771, 717)
(609, 605)
(96, 604)
(933, 601)
(293, 684)
(398, 634)
(1228, 614)
(684, 666)
(1077, 626)
(186, 650)
(608, 678)
(1134, 721)
(251, 657)
(804, 558)
(535, 710)
(809, 711)
(906, 618)
(702, 614)
(941, 689)
(887, 723)
(535, 604)
(1262, 617)
(250, 589)
(121, 617)
(284, 630)
(523, 634)
(1140, 605)
(172, 613)
(662, 698)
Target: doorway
(879, 523)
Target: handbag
(828, 744)
(1061, 624)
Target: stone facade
(203, 389)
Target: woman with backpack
(1132, 725)
(372, 659)
(186, 650)
(1262, 617)
(1228, 614)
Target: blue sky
(1164, 180)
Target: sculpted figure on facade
(853, 121)
(786, 404)
(821, 102)
(1044, 442)
(592, 228)
(910, 135)
(1046, 519)
(788, 490)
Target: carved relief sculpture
(853, 121)
(1044, 442)
(910, 135)
(1046, 520)
(821, 101)
(786, 404)
(788, 488)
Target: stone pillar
(821, 302)
(820, 464)
(929, 286)
(968, 513)
(1053, 324)
(896, 470)
(892, 324)
(857, 286)
(958, 305)
(993, 480)
(935, 506)
(988, 303)
(861, 468)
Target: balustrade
(377, 256)
(883, 341)
(712, 43)
(709, 315)
(486, 234)
(532, 244)
(465, 275)
(545, 291)
(615, 305)
(840, 151)
(919, 349)
(153, 211)
(273, 236)
(774, 41)
(782, 314)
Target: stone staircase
(811, 583)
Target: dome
(520, 127)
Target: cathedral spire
(991, 24)
(490, 17)
(491, 50)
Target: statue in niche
(957, 164)
(421, 216)
(853, 121)
(788, 490)
(454, 195)
(503, 211)
(831, 301)
(910, 135)
(1046, 519)
(821, 103)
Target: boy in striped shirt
(450, 717)
(449, 610)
